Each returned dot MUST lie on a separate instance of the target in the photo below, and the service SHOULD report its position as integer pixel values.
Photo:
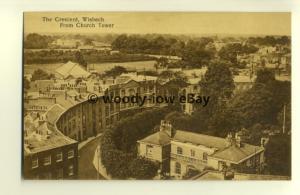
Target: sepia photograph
(156, 96)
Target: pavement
(98, 164)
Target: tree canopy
(80, 59)
(40, 74)
(37, 41)
(115, 71)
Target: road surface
(86, 169)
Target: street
(86, 168)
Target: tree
(80, 59)
(175, 83)
(265, 76)
(230, 51)
(37, 41)
(41, 75)
(253, 106)
(120, 42)
(142, 168)
(115, 71)
(161, 62)
(118, 145)
(196, 54)
(262, 103)
(218, 84)
(88, 41)
(278, 155)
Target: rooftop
(200, 139)
(158, 138)
(36, 142)
(53, 113)
(72, 69)
(236, 154)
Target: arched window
(179, 150)
(177, 168)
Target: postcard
(156, 96)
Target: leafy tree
(265, 76)
(161, 62)
(80, 59)
(120, 42)
(40, 74)
(176, 82)
(115, 71)
(270, 40)
(37, 41)
(230, 51)
(195, 54)
(218, 84)
(149, 73)
(94, 56)
(262, 102)
(88, 41)
(118, 145)
(142, 168)
(167, 74)
(278, 155)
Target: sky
(238, 23)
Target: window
(59, 157)
(179, 150)
(70, 154)
(35, 163)
(204, 156)
(71, 170)
(149, 150)
(47, 160)
(60, 174)
(177, 168)
(192, 152)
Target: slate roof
(158, 138)
(37, 143)
(53, 113)
(237, 154)
(200, 139)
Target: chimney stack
(229, 139)
(238, 140)
(166, 126)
